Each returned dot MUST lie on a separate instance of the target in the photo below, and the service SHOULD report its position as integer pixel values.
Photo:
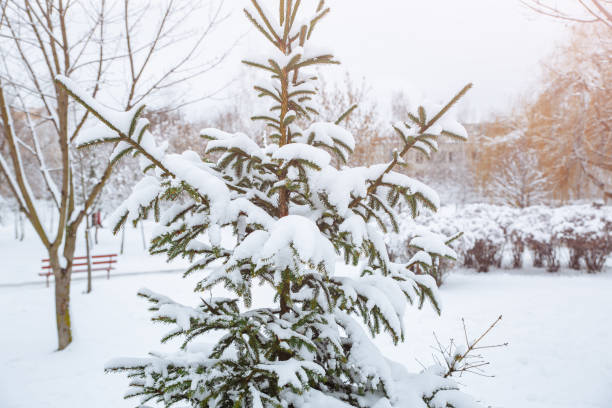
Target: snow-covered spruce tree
(296, 221)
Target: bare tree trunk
(62, 272)
(142, 234)
(87, 226)
(51, 216)
(62, 300)
(62, 310)
(88, 253)
(21, 227)
(16, 224)
(122, 240)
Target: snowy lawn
(559, 330)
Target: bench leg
(108, 274)
(47, 280)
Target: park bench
(98, 263)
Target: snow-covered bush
(407, 244)
(310, 232)
(489, 231)
(539, 237)
(469, 231)
(433, 254)
(583, 229)
(484, 240)
(486, 228)
(587, 232)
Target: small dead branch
(464, 358)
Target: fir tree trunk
(283, 197)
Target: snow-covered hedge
(587, 233)
(489, 232)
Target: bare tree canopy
(135, 49)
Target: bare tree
(41, 39)
(518, 181)
(583, 11)
(570, 121)
(594, 163)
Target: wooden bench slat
(85, 263)
(93, 256)
(108, 260)
(77, 271)
(94, 269)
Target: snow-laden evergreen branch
(294, 218)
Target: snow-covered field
(558, 327)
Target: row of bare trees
(121, 44)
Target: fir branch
(346, 114)
(410, 144)
(277, 40)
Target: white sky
(429, 48)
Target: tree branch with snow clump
(294, 216)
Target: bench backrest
(107, 259)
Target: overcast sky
(428, 47)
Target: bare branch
(597, 11)
(459, 360)
(18, 179)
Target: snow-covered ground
(558, 328)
